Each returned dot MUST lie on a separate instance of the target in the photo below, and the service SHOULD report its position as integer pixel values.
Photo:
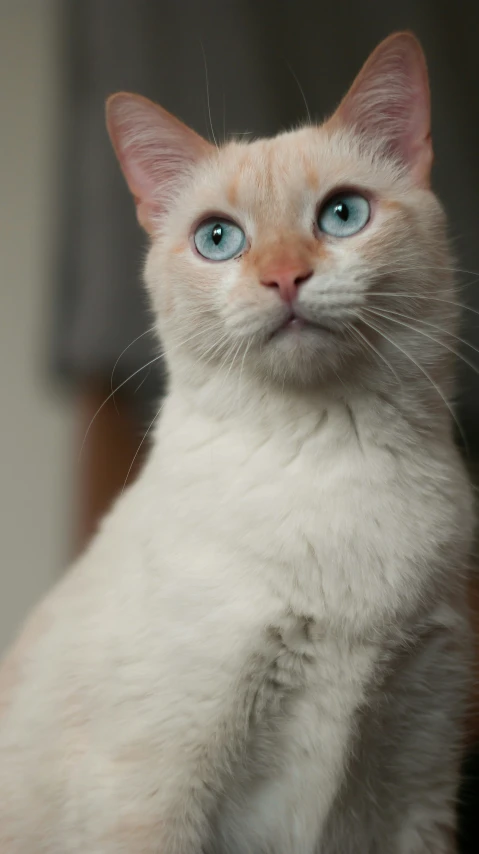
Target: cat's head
(302, 257)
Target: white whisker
(139, 448)
(178, 344)
(208, 96)
(428, 323)
(146, 332)
(432, 267)
(420, 368)
(375, 350)
(308, 112)
(142, 381)
(215, 347)
(242, 366)
(233, 359)
(134, 374)
(423, 297)
(452, 350)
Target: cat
(265, 649)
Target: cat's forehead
(272, 169)
(278, 176)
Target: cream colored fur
(265, 648)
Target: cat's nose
(287, 280)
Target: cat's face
(284, 256)
(275, 249)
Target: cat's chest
(309, 489)
(324, 525)
(331, 536)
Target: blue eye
(219, 239)
(344, 215)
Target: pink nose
(287, 280)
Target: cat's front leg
(422, 737)
(298, 761)
(429, 717)
(164, 789)
(400, 791)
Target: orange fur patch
(285, 251)
(180, 247)
(232, 190)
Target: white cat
(264, 650)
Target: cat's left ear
(155, 151)
(389, 101)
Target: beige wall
(35, 424)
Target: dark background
(263, 60)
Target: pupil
(342, 211)
(217, 234)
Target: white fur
(264, 651)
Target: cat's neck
(223, 397)
(250, 404)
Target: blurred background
(72, 310)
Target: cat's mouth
(294, 324)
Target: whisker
(208, 96)
(134, 374)
(215, 347)
(197, 334)
(230, 354)
(308, 112)
(226, 356)
(374, 349)
(452, 350)
(423, 297)
(339, 379)
(142, 334)
(232, 363)
(433, 267)
(224, 118)
(233, 359)
(426, 374)
(142, 381)
(428, 323)
(242, 366)
(139, 448)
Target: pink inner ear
(389, 100)
(155, 151)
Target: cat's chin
(303, 352)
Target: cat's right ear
(155, 151)
(389, 102)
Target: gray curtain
(259, 55)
